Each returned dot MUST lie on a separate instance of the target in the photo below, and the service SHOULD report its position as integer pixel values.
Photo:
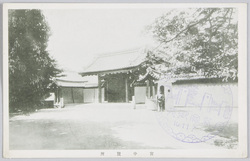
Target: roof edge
(71, 81)
(107, 71)
(110, 54)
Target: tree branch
(190, 26)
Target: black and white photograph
(125, 80)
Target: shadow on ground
(227, 136)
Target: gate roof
(119, 62)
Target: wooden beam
(147, 88)
(72, 95)
(57, 94)
(99, 89)
(126, 88)
(106, 90)
(151, 88)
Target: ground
(105, 126)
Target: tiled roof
(158, 76)
(73, 79)
(71, 76)
(63, 83)
(115, 61)
(150, 72)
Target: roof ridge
(127, 59)
(110, 54)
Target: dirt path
(93, 126)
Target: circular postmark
(198, 114)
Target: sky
(79, 35)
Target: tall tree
(31, 69)
(202, 41)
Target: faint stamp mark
(188, 123)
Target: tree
(202, 41)
(31, 69)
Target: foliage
(202, 41)
(31, 69)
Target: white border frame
(241, 152)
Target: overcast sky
(77, 36)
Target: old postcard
(125, 80)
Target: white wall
(91, 95)
(206, 95)
(140, 94)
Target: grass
(228, 135)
